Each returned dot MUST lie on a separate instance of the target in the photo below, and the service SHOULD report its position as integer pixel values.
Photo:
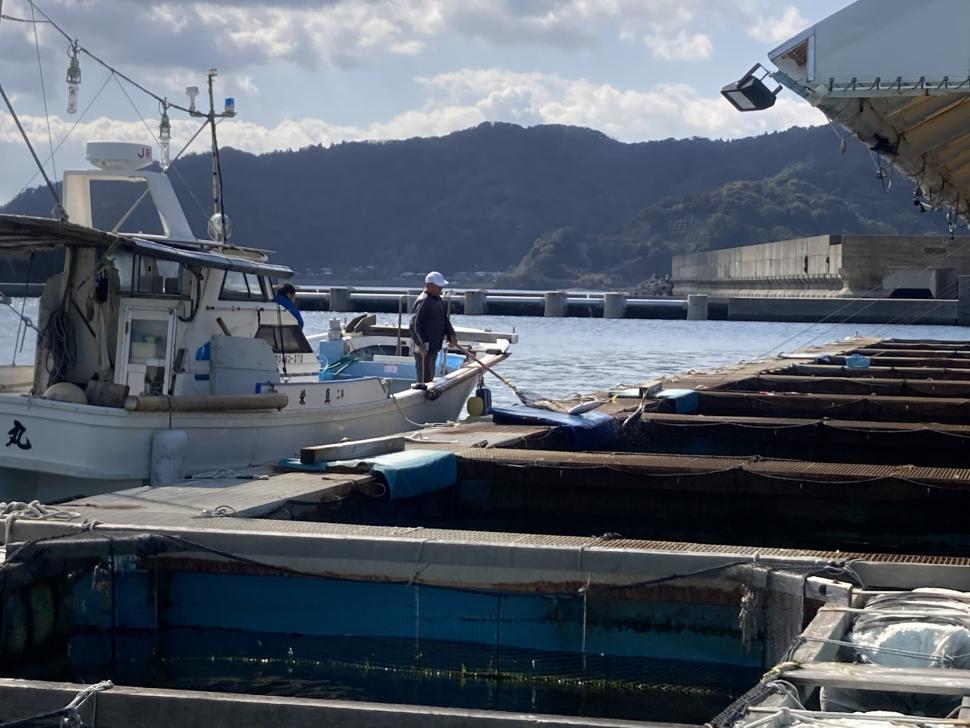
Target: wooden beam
(854, 385)
(830, 623)
(664, 418)
(861, 676)
(909, 361)
(485, 337)
(351, 450)
(915, 353)
(877, 372)
(964, 713)
(847, 406)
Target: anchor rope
(70, 714)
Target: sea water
(556, 357)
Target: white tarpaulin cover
(922, 628)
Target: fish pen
(646, 562)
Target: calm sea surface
(557, 357)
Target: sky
(306, 72)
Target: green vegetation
(550, 205)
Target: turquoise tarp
(408, 473)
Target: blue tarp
(411, 473)
(684, 401)
(407, 474)
(589, 431)
(295, 464)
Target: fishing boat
(162, 356)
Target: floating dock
(560, 578)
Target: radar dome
(118, 156)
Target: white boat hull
(80, 449)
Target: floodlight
(750, 93)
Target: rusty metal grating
(653, 464)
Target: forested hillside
(543, 205)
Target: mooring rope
(70, 714)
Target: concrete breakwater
(615, 304)
(619, 304)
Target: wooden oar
(515, 390)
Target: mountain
(548, 203)
(805, 198)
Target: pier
(620, 304)
(792, 485)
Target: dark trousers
(424, 365)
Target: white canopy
(897, 74)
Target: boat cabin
(145, 314)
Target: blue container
(857, 361)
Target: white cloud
(452, 101)
(459, 99)
(240, 34)
(779, 29)
(681, 47)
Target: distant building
(853, 266)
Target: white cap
(436, 278)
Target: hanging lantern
(165, 136)
(73, 78)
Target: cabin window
(238, 286)
(123, 264)
(158, 276)
(140, 275)
(285, 339)
(147, 364)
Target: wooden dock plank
(781, 476)
(248, 497)
(480, 434)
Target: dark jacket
(430, 324)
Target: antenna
(219, 226)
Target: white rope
(36, 510)
(12, 511)
(228, 473)
(817, 716)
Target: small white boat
(166, 353)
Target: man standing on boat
(286, 297)
(430, 326)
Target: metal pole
(216, 183)
(400, 313)
(61, 213)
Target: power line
(107, 65)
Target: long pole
(218, 205)
(400, 313)
(216, 182)
(61, 213)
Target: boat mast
(218, 224)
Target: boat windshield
(239, 286)
(284, 339)
(139, 274)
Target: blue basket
(857, 361)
